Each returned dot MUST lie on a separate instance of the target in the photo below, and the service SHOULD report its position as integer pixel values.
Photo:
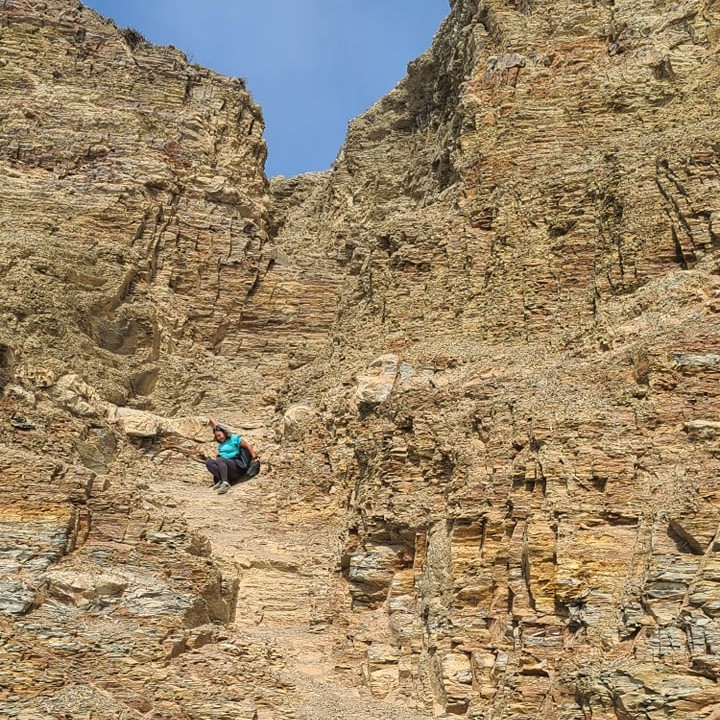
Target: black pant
(229, 471)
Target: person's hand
(212, 422)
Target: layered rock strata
(491, 330)
(134, 218)
(132, 226)
(530, 222)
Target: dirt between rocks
(288, 599)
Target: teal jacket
(230, 448)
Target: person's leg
(236, 470)
(224, 468)
(212, 466)
(228, 472)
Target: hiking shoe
(217, 485)
(253, 469)
(224, 487)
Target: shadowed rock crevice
(6, 364)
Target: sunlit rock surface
(528, 222)
(479, 357)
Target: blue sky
(312, 65)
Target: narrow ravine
(287, 597)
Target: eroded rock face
(132, 228)
(496, 319)
(528, 219)
(134, 213)
(101, 595)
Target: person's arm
(212, 422)
(248, 447)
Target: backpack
(253, 468)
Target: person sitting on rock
(236, 460)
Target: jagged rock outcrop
(529, 224)
(486, 340)
(132, 226)
(135, 218)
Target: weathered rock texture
(529, 222)
(133, 224)
(134, 199)
(488, 336)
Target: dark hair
(222, 429)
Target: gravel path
(286, 547)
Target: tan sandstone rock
(487, 338)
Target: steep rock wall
(133, 229)
(528, 224)
(497, 320)
(134, 214)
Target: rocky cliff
(529, 226)
(481, 350)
